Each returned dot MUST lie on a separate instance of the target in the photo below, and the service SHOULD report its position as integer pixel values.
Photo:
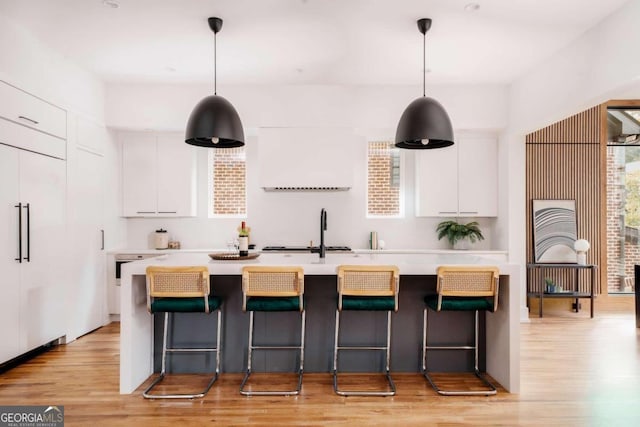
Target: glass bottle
(243, 240)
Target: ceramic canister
(162, 239)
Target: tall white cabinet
(158, 175)
(88, 289)
(9, 254)
(42, 306)
(460, 180)
(33, 221)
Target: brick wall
(383, 196)
(229, 181)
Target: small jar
(162, 239)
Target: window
(623, 197)
(384, 180)
(227, 189)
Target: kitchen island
(500, 356)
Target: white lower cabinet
(460, 180)
(158, 175)
(32, 242)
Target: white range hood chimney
(306, 159)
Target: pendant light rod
(423, 26)
(216, 25)
(215, 63)
(424, 64)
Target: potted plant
(459, 235)
(550, 285)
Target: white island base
(502, 328)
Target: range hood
(306, 159)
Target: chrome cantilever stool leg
(166, 349)
(462, 288)
(491, 389)
(252, 347)
(386, 348)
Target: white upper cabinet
(437, 182)
(21, 112)
(159, 175)
(139, 180)
(478, 176)
(176, 176)
(28, 110)
(460, 180)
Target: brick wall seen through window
(383, 180)
(228, 175)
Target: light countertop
(417, 263)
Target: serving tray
(232, 257)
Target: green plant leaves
(455, 231)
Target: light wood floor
(575, 371)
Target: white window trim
(401, 191)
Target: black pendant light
(214, 122)
(424, 123)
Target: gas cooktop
(304, 248)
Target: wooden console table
(538, 289)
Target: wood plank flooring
(575, 371)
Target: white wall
(601, 65)
(293, 218)
(167, 107)
(28, 64)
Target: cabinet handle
(102, 246)
(19, 206)
(173, 212)
(28, 119)
(143, 212)
(28, 257)
(470, 212)
(447, 212)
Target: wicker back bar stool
(181, 290)
(462, 288)
(369, 288)
(272, 289)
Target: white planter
(463, 244)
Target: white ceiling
(307, 41)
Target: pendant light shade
(424, 124)
(215, 117)
(214, 122)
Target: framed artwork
(555, 230)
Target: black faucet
(322, 249)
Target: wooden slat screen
(564, 162)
